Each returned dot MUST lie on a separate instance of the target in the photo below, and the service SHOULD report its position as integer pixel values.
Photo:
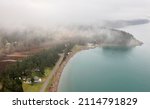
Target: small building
(37, 79)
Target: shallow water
(110, 69)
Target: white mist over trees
(25, 24)
(58, 25)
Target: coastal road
(46, 83)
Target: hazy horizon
(45, 13)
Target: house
(37, 79)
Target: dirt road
(52, 73)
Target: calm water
(111, 69)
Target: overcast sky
(48, 12)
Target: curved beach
(56, 77)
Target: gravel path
(52, 73)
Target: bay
(110, 69)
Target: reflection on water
(116, 51)
(117, 48)
(109, 69)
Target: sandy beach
(56, 77)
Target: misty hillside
(22, 40)
(101, 35)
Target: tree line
(13, 75)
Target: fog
(46, 13)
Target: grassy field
(32, 88)
(37, 86)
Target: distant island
(124, 23)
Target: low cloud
(44, 13)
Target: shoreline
(56, 77)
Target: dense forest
(14, 74)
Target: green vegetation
(37, 86)
(32, 88)
(30, 67)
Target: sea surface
(110, 69)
